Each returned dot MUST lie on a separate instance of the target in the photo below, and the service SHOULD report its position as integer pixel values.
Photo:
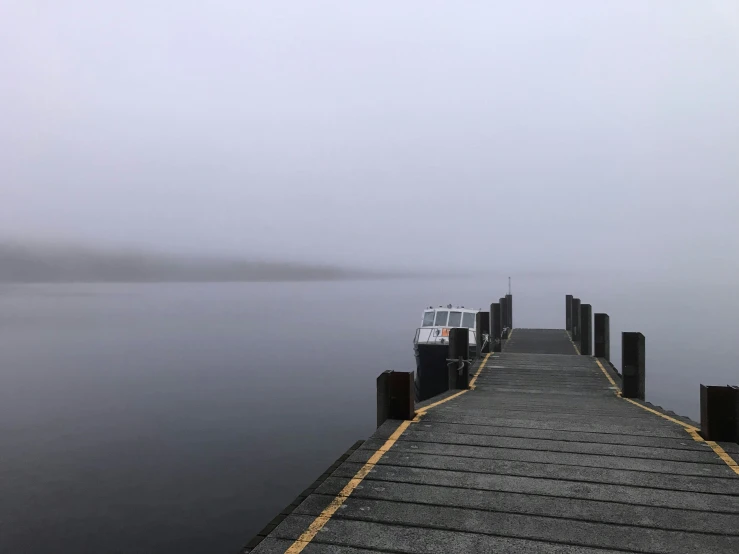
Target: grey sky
(367, 133)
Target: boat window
(469, 320)
(428, 319)
(455, 319)
(441, 318)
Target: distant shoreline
(32, 264)
(211, 281)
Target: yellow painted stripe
(663, 416)
(603, 369)
(573, 344)
(728, 460)
(425, 409)
(720, 452)
(323, 518)
(617, 392)
(304, 539)
(693, 432)
(691, 429)
(479, 369)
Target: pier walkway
(541, 455)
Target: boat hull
(432, 375)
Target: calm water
(181, 418)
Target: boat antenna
(509, 285)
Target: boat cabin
(449, 317)
(437, 322)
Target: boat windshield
(428, 319)
(441, 319)
(469, 320)
(455, 319)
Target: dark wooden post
(482, 328)
(503, 317)
(632, 365)
(568, 312)
(586, 330)
(496, 327)
(395, 396)
(602, 336)
(509, 307)
(576, 320)
(720, 413)
(459, 371)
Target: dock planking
(543, 456)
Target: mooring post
(509, 307)
(576, 320)
(458, 362)
(395, 396)
(496, 327)
(720, 413)
(586, 329)
(632, 365)
(568, 312)
(503, 318)
(482, 328)
(602, 336)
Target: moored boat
(431, 346)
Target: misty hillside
(39, 264)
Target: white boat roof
(452, 307)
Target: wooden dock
(540, 455)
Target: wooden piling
(576, 320)
(568, 312)
(395, 396)
(504, 318)
(602, 336)
(719, 413)
(632, 365)
(458, 363)
(496, 327)
(586, 330)
(482, 328)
